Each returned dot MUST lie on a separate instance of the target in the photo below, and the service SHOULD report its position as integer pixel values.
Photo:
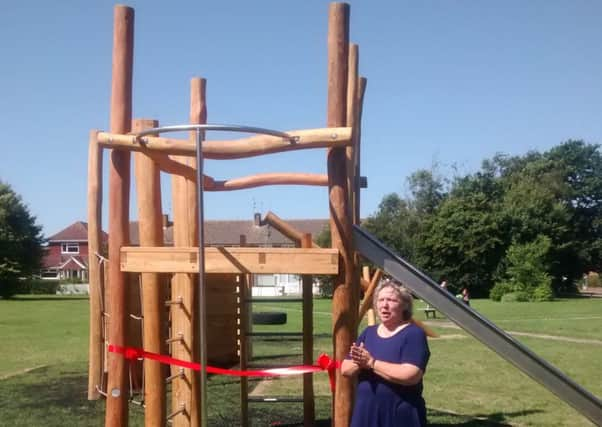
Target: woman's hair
(405, 297)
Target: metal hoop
(217, 127)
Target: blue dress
(380, 403)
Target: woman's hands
(360, 359)
(361, 356)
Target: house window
(70, 248)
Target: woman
(390, 360)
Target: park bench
(428, 311)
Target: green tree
(526, 274)
(396, 224)
(534, 204)
(464, 242)
(580, 167)
(427, 191)
(21, 241)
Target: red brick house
(67, 253)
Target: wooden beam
(361, 181)
(346, 288)
(233, 149)
(119, 207)
(264, 179)
(285, 228)
(309, 410)
(198, 115)
(96, 342)
(352, 114)
(230, 260)
(150, 230)
(368, 297)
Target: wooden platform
(230, 260)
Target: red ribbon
(323, 363)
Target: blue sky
(449, 83)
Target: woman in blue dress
(390, 360)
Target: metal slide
(482, 329)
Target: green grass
(465, 384)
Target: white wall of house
(272, 285)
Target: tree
(396, 224)
(526, 273)
(21, 241)
(534, 204)
(464, 242)
(427, 191)
(580, 167)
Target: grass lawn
(43, 367)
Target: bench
(428, 311)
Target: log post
(186, 390)
(96, 344)
(366, 306)
(119, 189)
(358, 145)
(309, 411)
(244, 318)
(346, 288)
(352, 114)
(150, 230)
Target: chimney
(257, 219)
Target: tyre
(269, 318)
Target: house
(67, 255)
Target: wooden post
(358, 145)
(150, 230)
(96, 344)
(366, 306)
(352, 112)
(309, 411)
(134, 329)
(244, 294)
(186, 391)
(346, 290)
(119, 196)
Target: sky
(450, 83)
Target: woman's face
(389, 306)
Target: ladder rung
(274, 300)
(274, 399)
(275, 334)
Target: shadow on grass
(63, 391)
(496, 419)
(51, 397)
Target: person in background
(389, 360)
(443, 285)
(466, 296)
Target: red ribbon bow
(327, 364)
